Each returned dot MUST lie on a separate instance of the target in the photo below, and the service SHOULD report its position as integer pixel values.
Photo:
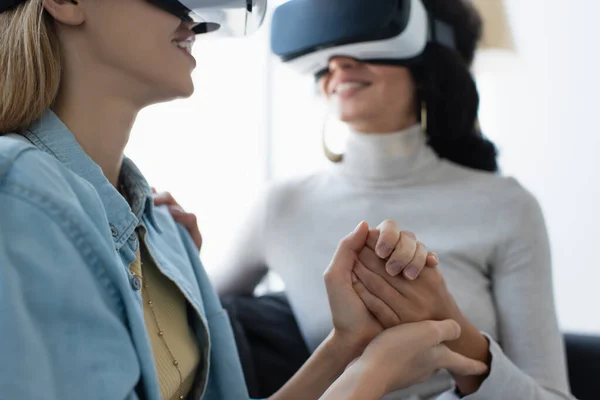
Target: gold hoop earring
(331, 156)
(424, 117)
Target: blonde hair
(29, 65)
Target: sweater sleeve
(244, 265)
(528, 361)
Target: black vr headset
(306, 34)
(229, 17)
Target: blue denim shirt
(71, 318)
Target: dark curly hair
(448, 91)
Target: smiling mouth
(349, 87)
(184, 44)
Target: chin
(345, 118)
(349, 111)
(183, 87)
(177, 90)
(187, 90)
(349, 116)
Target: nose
(342, 63)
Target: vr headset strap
(442, 33)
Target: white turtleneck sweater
(488, 231)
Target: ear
(67, 12)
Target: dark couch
(583, 359)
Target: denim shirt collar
(52, 136)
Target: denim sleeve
(60, 338)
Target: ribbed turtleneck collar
(399, 157)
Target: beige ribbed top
(177, 340)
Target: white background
(252, 118)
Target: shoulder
(24, 165)
(498, 189)
(282, 197)
(29, 172)
(514, 211)
(295, 189)
(33, 183)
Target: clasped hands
(391, 309)
(390, 306)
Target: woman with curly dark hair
(416, 154)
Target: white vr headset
(306, 34)
(227, 17)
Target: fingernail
(384, 251)
(357, 227)
(412, 272)
(435, 256)
(394, 268)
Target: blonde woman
(102, 295)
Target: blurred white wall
(541, 108)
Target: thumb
(349, 247)
(433, 333)
(458, 364)
(357, 240)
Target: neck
(382, 126)
(100, 120)
(388, 158)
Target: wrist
(358, 382)
(347, 343)
(368, 376)
(472, 344)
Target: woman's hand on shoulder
(188, 220)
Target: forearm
(326, 365)
(474, 345)
(357, 383)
